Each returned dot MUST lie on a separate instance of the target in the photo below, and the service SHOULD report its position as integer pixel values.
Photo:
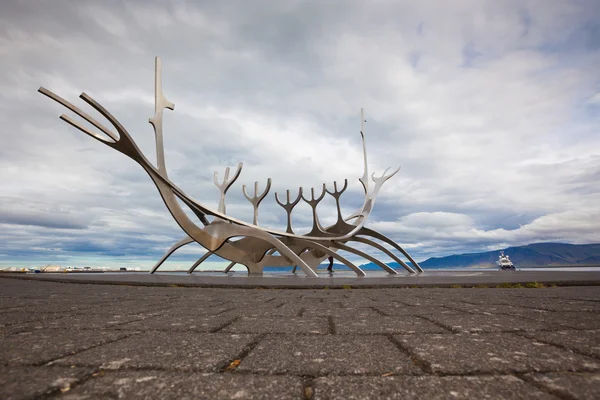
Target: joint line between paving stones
(554, 392)
(557, 328)
(118, 325)
(33, 320)
(224, 311)
(425, 366)
(53, 392)
(378, 311)
(560, 346)
(53, 360)
(242, 354)
(225, 325)
(448, 328)
(331, 326)
(308, 391)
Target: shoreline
(439, 279)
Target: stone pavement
(85, 341)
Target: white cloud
(490, 107)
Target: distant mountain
(532, 255)
(537, 254)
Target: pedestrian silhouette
(330, 267)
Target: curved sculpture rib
(327, 250)
(383, 249)
(383, 238)
(181, 243)
(200, 261)
(365, 256)
(228, 268)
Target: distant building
(53, 268)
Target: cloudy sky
(492, 108)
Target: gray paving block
(176, 385)
(486, 322)
(169, 322)
(13, 303)
(425, 387)
(558, 304)
(569, 385)
(417, 301)
(339, 312)
(10, 318)
(130, 307)
(566, 319)
(72, 322)
(19, 382)
(406, 324)
(362, 302)
(494, 309)
(275, 309)
(204, 352)
(43, 346)
(396, 309)
(587, 342)
(492, 353)
(328, 354)
(316, 325)
(197, 310)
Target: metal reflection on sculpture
(255, 247)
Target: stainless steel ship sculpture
(255, 247)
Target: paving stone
(130, 307)
(566, 319)
(392, 310)
(28, 382)
(315, 325)
(72, 322)
(330, 354)
(557, 304)
(569, 385)
(44, 346)
(18, 317)
(168, 322)
(277, 309)
(492, 353)
(175, 385)
(8, 303)
(204, 352)
(340, 312)
(494, 309)
(354, 303)
(425, 387)
(486, 322)
(417, 301)
(587, 342)
(193, 311)
(406, 324)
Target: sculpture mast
(365, 178)
(160, 103)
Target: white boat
(504, 263)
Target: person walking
(330, 267)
